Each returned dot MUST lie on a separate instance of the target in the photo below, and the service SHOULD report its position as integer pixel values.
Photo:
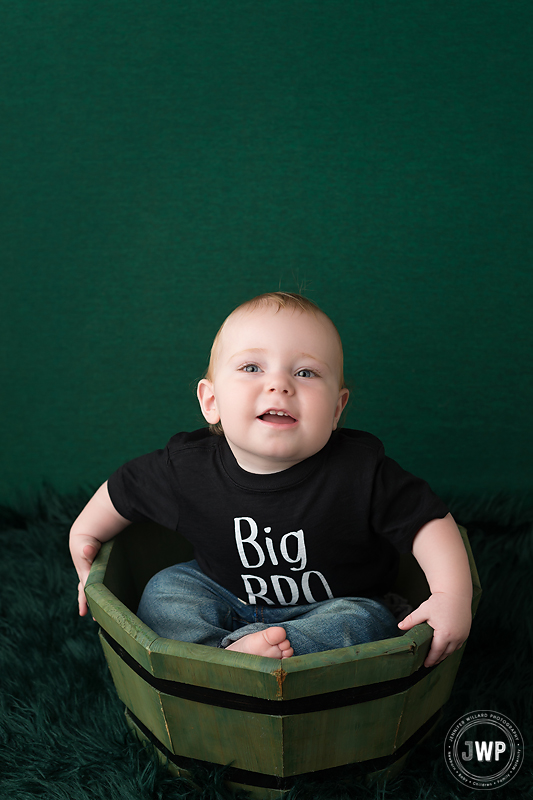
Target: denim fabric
(184, 604)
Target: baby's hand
(450, 617)
(98, 522)
(84, 551)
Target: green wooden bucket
(271, 721)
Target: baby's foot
(271, 642)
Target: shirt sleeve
(144, 489)
(401, 504)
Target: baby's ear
(343, 399)
(208, 404)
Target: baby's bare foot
(271, 642)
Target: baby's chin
(272, 458)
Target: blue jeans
(182, 603)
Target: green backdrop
(163, 161)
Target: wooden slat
(215, 668)
(126, 628)
(99, 565)
(254, 792)
(253, 742)
(340, 736)
(427, 697)
(361, 665)
(139, 697)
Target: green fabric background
(163, 161)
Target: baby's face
(275, 387)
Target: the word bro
(287, 589)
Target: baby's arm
(98, 522)
(439, 549)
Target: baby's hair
(280, 299)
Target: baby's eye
(250, 368)
(305, 373)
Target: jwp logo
(484, 750)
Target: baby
(296, 525)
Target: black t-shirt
(331, 526)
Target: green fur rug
(62, 730)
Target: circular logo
(484, 750)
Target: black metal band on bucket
(258, 705)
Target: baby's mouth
(277, 417)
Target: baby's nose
(281, 384)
